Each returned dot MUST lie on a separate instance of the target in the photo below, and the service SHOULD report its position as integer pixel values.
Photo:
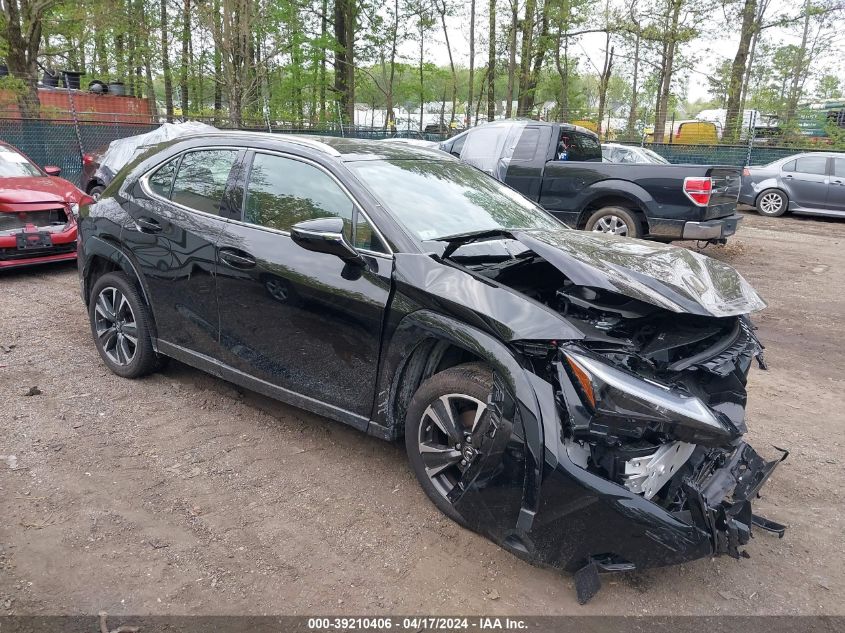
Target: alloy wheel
(771, 203)
(117, 331)
(611, 224)
(448, 439)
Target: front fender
(411, 356)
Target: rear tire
(120, 325)
(614, 221)
(436, 445)
(772, 203)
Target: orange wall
(56, 105)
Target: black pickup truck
(560, 166)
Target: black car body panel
(522, 154)
(558, 479)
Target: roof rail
(299, 139)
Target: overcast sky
(710, 51)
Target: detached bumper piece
(720, 503)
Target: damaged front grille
(14, 220)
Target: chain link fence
(64, 142)
(735, 155)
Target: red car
(38, 212)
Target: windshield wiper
(460, 239)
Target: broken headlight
(613, 393)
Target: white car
(632, 154)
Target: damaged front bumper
(720, 504)
(584, 519)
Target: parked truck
(560, 166)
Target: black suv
(576, 397)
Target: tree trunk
(165, 64)
(798, 69)
(525, 56)
(632, 112)
(733, 116)
(186, 41)
(390, 119)
(344, 32)
(667, 69)
(491, 63)
(441, 8)
(422, 77)
(512, 58)
(604, 82)
(21, 26)
(216, 28)
(324, 22)
(471, 91)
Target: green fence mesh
(63, 142)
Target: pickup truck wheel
(614, 221)
(772, 203)
(442, 430)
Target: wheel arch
(101, 257)
(424, 343)
(616, 194)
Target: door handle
(237, 260)
(148, 225)
(835, 182)
(788, 177)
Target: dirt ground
(180, 494)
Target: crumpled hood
(670, 277)
(29, 189)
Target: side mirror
(52, 170)
(325, 235)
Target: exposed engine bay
(650, 399)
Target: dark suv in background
(578, 398)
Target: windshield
(435, 199)
(14, 164)
(654, 156)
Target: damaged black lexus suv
(576, 397)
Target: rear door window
(162, 179)
(583, 147)
(811, 165)
(839, 167)
(201, 179)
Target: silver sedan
(811, 183)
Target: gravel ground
(180, 494)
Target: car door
(302, 321)
(836, 188)
(178, 212)
(805, 181)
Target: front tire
(120, 325)
(442, 429)
(772, 203)
(96, 192)
(614, 221)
